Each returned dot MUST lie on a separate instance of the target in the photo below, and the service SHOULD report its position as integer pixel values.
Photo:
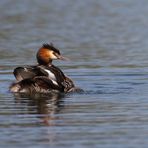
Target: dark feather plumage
(28, 72)
(51, 47)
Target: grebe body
(44, 77)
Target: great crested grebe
(44, 77)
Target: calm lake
(107, 42)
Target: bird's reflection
(45, 106)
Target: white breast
(51, 76)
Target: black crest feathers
(51, 47)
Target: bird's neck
(49, 64)
(45, 63)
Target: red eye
(54, 53)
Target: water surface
(107, 42)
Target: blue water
(107, 42)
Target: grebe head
(47, 53)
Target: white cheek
(54, 57)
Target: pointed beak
(63, 58)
